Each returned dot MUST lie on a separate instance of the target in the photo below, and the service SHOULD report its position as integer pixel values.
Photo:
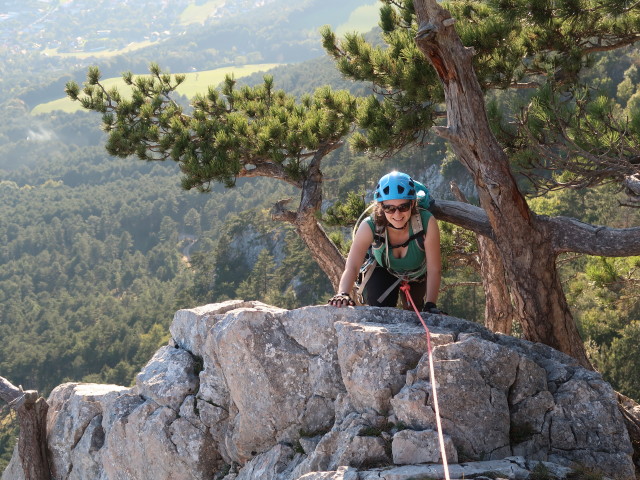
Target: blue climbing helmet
(395, 186)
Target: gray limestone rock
(474, 414)
(411, 447)
(246, 391)
(75, 418)
(355, 441)
(512, 468)
(190, 327)
(271, 379)
(168, 377)
(343, 473)
(271, 465)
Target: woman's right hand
(341, 300)
(357, 252)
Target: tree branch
(515, 85)
(449, 286)
(9, 392)
(613, 46)
(280, 212)
(571, 235)
(269, 169)
(31, 411)
(464, 215)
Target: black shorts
(381, 280)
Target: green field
(133, 46)
(199, 13)
(195, 82)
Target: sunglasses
(402, 208)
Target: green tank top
(414, 262)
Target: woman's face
(397, 212)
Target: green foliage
(338, 239)
(461, 291)
(601, 272)
(595, 206)
(585, 138)
(408, 85)
(260, 281)
(83, 283)
(565, 127)
(255, 259)
(346, 213)
(8, 435)
(618, 361)
(608, 310)
(232, 131)
(602, 292)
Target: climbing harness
(406, 289)
(378, 254)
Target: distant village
(69, 26)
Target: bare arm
(361, 242)
(434, 261)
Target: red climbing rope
(406, 289)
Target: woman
(405, 241)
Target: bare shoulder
(364, 233)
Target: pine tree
(231, 133)
(439, 63)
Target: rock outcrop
(245, 391)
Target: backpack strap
(364, 275)
(417, 226)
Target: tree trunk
(498, 310)
(322, 249)
(31, 411)
(523, 243)
(631, 413)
